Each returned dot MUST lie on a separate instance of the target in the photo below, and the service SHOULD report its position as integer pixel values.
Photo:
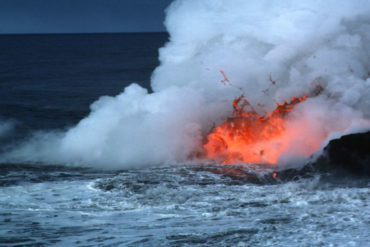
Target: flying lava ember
(248, 137)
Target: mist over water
(298, 45)
(6, 126)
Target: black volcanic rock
(347, 155)
(351, 152)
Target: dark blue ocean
(48, 82)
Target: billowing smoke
(270, 50)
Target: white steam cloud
(301, 44)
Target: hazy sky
(70, 16)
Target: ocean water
(47, 82)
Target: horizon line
(69, 33)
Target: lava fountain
(250, 137)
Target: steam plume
(270, 50)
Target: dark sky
(71, 16)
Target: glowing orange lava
(248, 137)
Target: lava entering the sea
(248, 137)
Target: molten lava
(248, 137)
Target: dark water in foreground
(178, 206)
(49, 81)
